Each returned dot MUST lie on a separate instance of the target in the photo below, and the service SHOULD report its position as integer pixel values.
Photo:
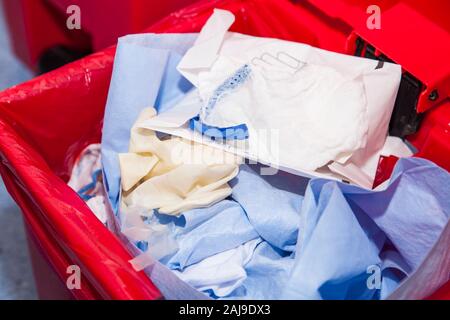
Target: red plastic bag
(46, 122)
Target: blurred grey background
(16, 275)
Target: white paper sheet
(381, 86)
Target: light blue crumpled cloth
(345, 230)
(267, 274)
(272, 203)
(203, 232)
(144, 75)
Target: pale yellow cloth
(173, 175)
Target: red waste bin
(46, 122)
(39, 25)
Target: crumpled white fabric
(89, 162)
(173, 175)
(221, 273)
(98, 205)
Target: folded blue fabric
(144, 75)
(272, 203)
(346, 232)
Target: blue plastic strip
(83, 191)
(239, 132)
